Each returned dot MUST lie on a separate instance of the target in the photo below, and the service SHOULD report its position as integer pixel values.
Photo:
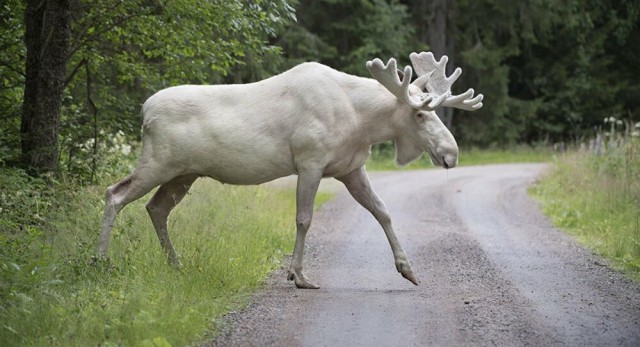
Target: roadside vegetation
(594, 194)
(54, 291)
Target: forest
(75, 72)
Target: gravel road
(492, 268)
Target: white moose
(312, 121)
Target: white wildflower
(638, 125)
(635, 133)
(125, 149)
(619, 122)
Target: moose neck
(378, 110)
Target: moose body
(312, 121)
(254, 133)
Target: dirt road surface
(492, 268)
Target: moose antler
(438, 83)
(431, 75)
(388, 76)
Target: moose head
(431, 89)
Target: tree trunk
(48, 25)
(437, 38)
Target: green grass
(597, 199)
(517, 154)
(54, 292)
(382, 160)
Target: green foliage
(596, 198)
(53, 291)
(345, 34)
(123, 51)
(547, 69)
(12, 54)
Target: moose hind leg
(116, 198)
(163, 201)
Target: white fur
(312, 121)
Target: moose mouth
(435, 160)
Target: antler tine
(464, 101)
(387, 75)
(433, 78)
(474, 104)
(436, 102)
(425, 63)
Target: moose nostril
(449, 161)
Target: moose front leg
(357, 182)
(307, 188)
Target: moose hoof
(300, 281)
(406, 272)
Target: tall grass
(597, 199)
(54, 291)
